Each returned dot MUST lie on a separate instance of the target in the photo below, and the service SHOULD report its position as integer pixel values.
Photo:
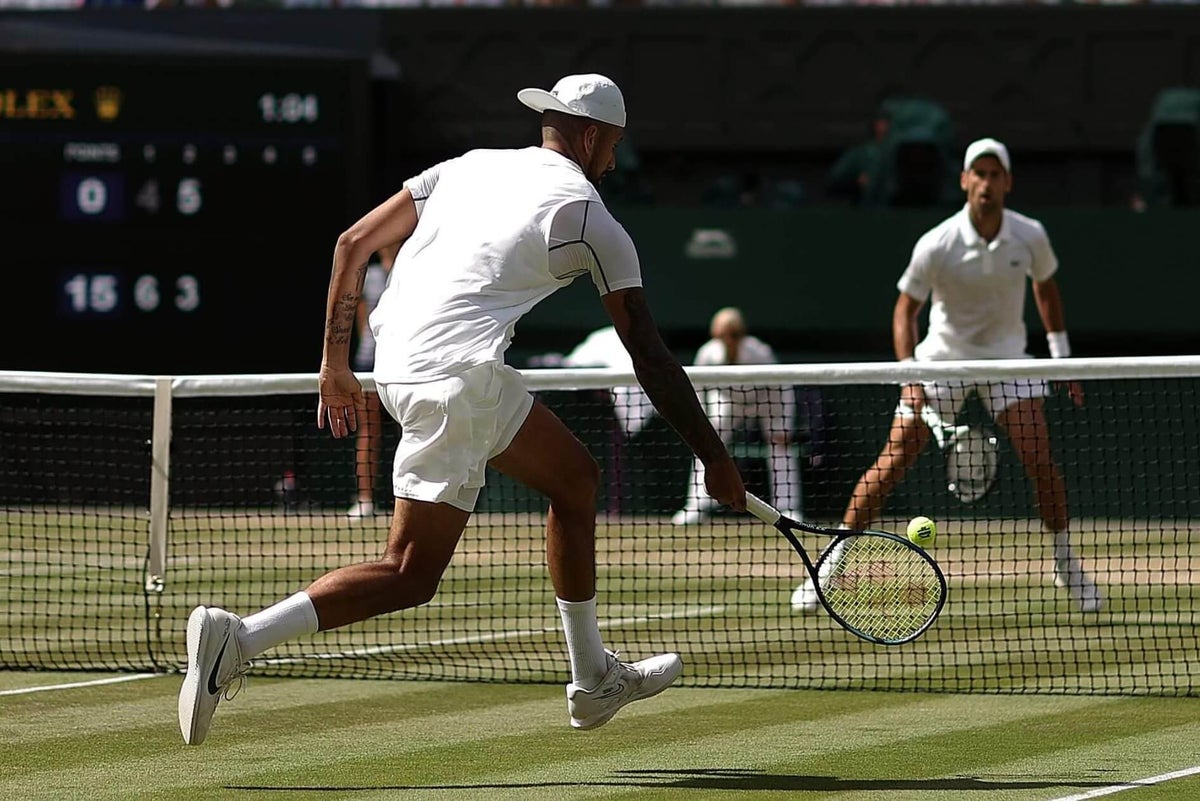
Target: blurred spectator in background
(368, 441)
(908, 160)
(1168, 152)
(730, 408)
(853, 173)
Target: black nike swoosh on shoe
(213, 688)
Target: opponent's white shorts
(948, 397)
(450, 428)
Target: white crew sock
(1063, 553)
(286, 620)
(589, 662)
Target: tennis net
(127, 500)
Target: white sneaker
(804, 598)
(214, 664)
(1070, 575)
(688, 517)
(360, 510)
(625, 682)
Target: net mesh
(258, 499)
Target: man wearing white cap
(483, 238)
(974, 266)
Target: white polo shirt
(751, 350)
(497, 231)
(978, 287)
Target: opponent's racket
(971, 454)
(876, 585)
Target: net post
(160, 484)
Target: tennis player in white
(774, 409)
(975, 265)
(483, 238)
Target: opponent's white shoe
(1070, 575)
(360, 510)
(214, 664)
(804, 597)
(623, 683)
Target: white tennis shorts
(450, 428)
(948, 397)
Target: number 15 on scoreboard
(102, 294)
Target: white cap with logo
(987, 147)
(593, 96)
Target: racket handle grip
(761, 509)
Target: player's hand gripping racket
(876, 585)
(972, 456)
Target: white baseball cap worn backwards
(593, 96)
(987, 147)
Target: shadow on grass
(720, 779)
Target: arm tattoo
(340, 326)
(667, 385)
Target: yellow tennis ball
(922, 531)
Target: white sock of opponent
(589, 663)
(286, 620)
(1063, 553)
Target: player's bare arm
(672, 393)
(905, 335)
(386, 226)
(1048, 299)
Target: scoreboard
(175, 213)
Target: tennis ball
(922, 531)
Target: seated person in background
(728, 407)
(368, 440)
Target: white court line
(478, 638)
(1120, 788)
(76, 684)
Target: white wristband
(1060, 348)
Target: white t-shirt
(497, 232)
(978, 287)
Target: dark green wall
(820, 280)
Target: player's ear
(591, 134)
(962, 180)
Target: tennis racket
(971, 454)
(876, 585)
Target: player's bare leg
(368, 443)
(906, 439)
(220, 644)
(547, 457)
(1024, 422)
(420, 544)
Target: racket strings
(971, 463)
(883, 588)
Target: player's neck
(987, 223)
